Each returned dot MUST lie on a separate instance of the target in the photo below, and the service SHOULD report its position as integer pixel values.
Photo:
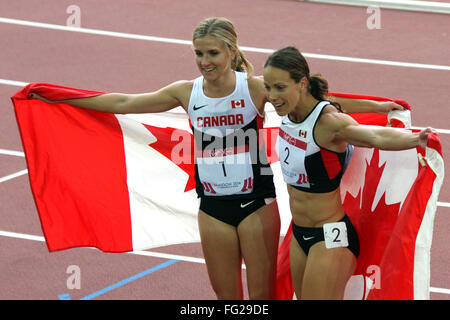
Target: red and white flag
(108, 181)
(104, 180)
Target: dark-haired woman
(314, 146)
(238, 217)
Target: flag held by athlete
(108, 181)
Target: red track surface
(103, 63)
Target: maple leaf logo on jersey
(237, 104)
(302, 133)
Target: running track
(123, 64)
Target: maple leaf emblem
(374, 227)
(166, 143)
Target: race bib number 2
(335, 234)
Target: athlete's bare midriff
(315, 209)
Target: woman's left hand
(423, 136)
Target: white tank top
(226, 133)
(304, 164)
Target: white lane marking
(154, 254)
(14, 175)
(12, 153)
(24, 236)
(188, 42)
(408, 5)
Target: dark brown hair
(291, 60)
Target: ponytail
(318, 88)
(240, 63)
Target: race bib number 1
(226, 173)
(335, 235)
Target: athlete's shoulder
(181, 90)
(333, 119)
(256, 81)
(257, 91)
(329, 108)
(182, 85)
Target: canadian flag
(108, 181)
(103, 180)
(302, 133)
(237, 104)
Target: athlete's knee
(228, 293)
(261, 290)
(260, 294)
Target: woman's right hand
(33, 95)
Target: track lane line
(12, 153)
(169, 256)
(188, 42)
(16, 235)
(13, 83)
(443, 204)
(66, 296)
(14, 175)
(172, 257)
(408, 5)
(128, 280)
(440, 290)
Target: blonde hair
(224, 30)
